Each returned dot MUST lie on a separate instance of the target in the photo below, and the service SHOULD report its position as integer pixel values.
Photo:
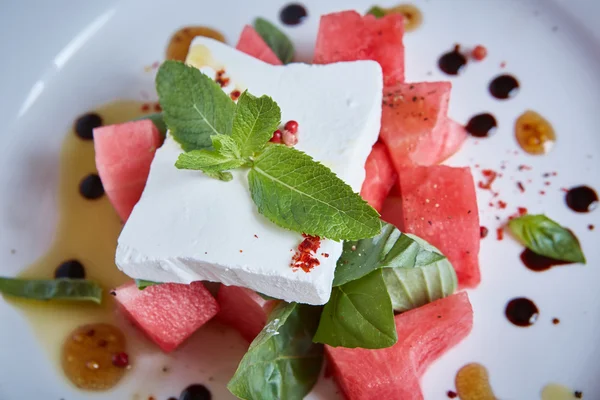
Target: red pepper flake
(555, 321)
(547, 183)
(120, 360)
(235, 95)
(157, 107)
(483, 232)
(524, 167)
(326, 255)
(155, 64)
(501, 204)
(145, 107)
(221, 79)
(256, 236)
(451, 394)
(565, 190)
(522, 210)
(542, 192)
(503, 64)
(241, 251)
(591, 227)
(521, 187)
(500, 233)
(490, 176)
(305, 254)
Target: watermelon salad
(396, 301)
(404, 181)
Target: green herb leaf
(52, 289)
(213, 163)
(265, 297)
(143, 284)
(277, 40)
(389, 249)
(297, 193)
(158, 121)
(422, 277)
(194, 106)
(376, 11)
(254, 122)
(543, 236)
(359, 314)
(282, 362)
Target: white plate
(63, 58)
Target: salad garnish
(52, 289)
(281, 45)
(545, 237)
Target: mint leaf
(52, 289)
(277, 40)
(213, 163)
(194, 106)
(543, 236)
(297, 193)
(143, 284)
(254, 122)
(376, 11)
(418, 280)
(282, 362)
(359, 314)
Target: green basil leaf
(376, 11)
(359, 314)
(282, 362)
(281, 45)
(543, 236)
(143, 284)
(428, 277)
(52, 289)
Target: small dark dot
(84, 125)
(172, 398)
(70, 269)
(102, 343)
(195, 392)
(91, 187)
(451, 394)
(13, 251)
(293, 14)
(578, 394)
(91, 332)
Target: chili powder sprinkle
(304, 257)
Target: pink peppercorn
(289, 139)
(479, 52)
(120, 360)
(291, 126)
(277, 136)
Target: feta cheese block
(189, 227)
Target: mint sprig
(288, 186)
(194, 106)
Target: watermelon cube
(124, 153)
(414, 122)
(380, 176)
(252, 43)
(349, 36)
(167, 313)
(244, 310)
(439, 204)
(456, 134)
(424, 334)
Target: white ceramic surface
(64, 57)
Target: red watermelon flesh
(348, 36)
(438, 203)
(167, 313)
(424, 334)
(252, 43)
(124, 153)
(380, 176)
(456, 134)
(414, 122)
(244, 310)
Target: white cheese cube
(189, 227)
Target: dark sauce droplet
(453, 62)
(84, 125)
(482, 125)
(539, 263)
(70, 269)
(504, 87)
(293, 14)
(91, 187)
(195, 392)
(582, 199)
(522, 312)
